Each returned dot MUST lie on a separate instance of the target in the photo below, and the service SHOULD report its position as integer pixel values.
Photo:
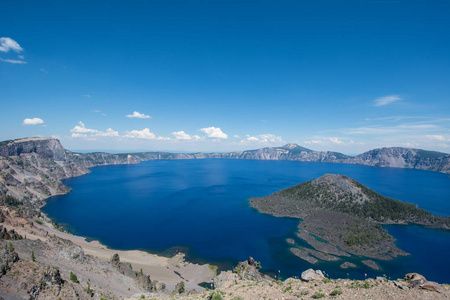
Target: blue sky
(346, 76)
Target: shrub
(73, 277)
(336, 292)
(318, 295)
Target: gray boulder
(310, 275)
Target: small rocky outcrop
(115, 260)
(7, 258)
(225, 279)
(53, 277)
(249, 270)
(9, 235)
(311, 275)
(414, 280)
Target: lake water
(201, 208)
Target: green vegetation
(424, 154)
(365, 233)
(33, 258)
(10, 246)
(216, 295)
(318, 295)
(336, 292)
(213, 268)
(73, 277)
(378, 207)
(39, 222)
(181, 287)
(287, 289)
(10, 201)
(89, 291)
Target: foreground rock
(311, 275)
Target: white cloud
(336, 140)
(109, 132)
(44, 71)
(33, 121)
(141, 134)
(87, 95)
(81, 128)
(252, 138)
(7, 44)
(138, 115)
(13, 61)
(213, 132)
(80, 131)
(181, 135)
(387, 100)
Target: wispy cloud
(267, 138)
(43, 71)
(7, 44)
(380, 130)
(138, 115)
(438, 137)
(381, 101)
(321, 140)
(13, 61)
(87, 95)
(213, 132)
(33, 121)
(100, 112)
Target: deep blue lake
(201, 208)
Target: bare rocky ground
(247, 283)
(296, 289)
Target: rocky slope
(341, 216)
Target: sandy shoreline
(163, 269)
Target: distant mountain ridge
(32, 168)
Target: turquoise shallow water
(201, 207)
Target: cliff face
(45, 147)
